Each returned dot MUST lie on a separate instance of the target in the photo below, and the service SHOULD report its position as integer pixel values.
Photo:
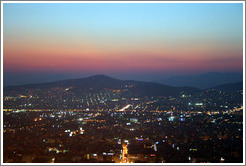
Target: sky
(52, 41)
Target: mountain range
(230, 87)
(101, 82)
(203, 81)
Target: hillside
(101, 82)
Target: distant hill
(229, 87)
(203, 81)
(96, 81)
(101, 82)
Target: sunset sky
(70, 40)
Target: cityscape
(123, 83)
(46, 124)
